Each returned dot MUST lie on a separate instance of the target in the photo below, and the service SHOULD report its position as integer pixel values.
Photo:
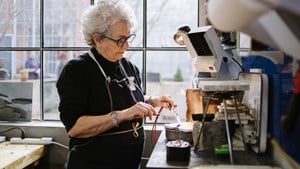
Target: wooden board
(17, 156)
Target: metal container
(179, 131)
(178, 151)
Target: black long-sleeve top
(82, 90)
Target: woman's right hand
(88, 126)
(139, 110)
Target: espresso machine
(243, 105)
(239, 100)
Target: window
(51, 34)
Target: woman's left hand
(163, 101)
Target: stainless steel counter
(207, 160)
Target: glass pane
(6, 65)
(136, 57)
(164, 18)
(19, 85)
(62, 25)
(17, 62)
(244, 44)
(137, 6)
(169, 73)
(20, 23)
(54, 62)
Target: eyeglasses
(120, 42)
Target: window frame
(41, 49)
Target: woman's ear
(97, 38)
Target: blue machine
(281, 83)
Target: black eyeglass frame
(120, 42)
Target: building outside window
(48, 33)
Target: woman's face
(109, 48)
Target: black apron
(109, 150)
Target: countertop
(19, 155)
(242, 159)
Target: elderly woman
(101, 102)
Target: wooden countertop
(17, 156)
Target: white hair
(98, 18)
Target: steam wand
(176, 114)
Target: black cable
(238, 63)
(12, 128)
